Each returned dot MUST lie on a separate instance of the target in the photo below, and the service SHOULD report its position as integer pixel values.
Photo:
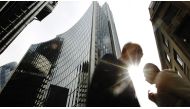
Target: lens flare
(136, 73)
(141, 86)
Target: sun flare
(141, 86)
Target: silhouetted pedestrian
(111, 84)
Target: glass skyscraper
(63, 67)
(5, 73)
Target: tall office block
(6, 72)
(66, 65)
(30, 83)
(171, 24)
(16, 15)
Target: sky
(132, 21)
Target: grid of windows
(13, 14)
(176, 25)
(41, 61)
(32, 76)
(72, 67)
(103, 37)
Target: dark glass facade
(64, 66)
(29, 85)
(15, 15)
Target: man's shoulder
(109, 60)
(109, 57)
(166, 77)
(112, 60)
(167, 73)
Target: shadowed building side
(171, 24)
(29, 85)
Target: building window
(178, 72)
(170, 13)
(183, 31)
(168, 58)
(178, 59)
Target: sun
(141, 86)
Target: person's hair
(150, 71)
(132, 51)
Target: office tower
(64, 65)
(16, 15)
(30, 82)
(5, 73)
(171, 24)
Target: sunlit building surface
(5, 73)
(59, 72)
(171, 24)
(16, 15)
